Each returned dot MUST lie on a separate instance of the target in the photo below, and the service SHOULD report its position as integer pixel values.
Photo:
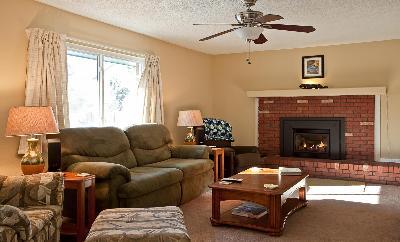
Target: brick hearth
(358, 111)
(374, 172)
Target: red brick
(383, 169)
(320, 169)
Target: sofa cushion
(41, 216)
(8, 234)
(189, 167)
(16, 219)
(11, 190)
(105, 144)
(148, 179)
(149, 143)
(145, 157)
(44, 189)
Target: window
(103, 88)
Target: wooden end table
(218, 163)
(85, 215)
(252, 189)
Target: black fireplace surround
(321, 138)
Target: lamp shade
(24, 121)
(190, 118)
(251, 33)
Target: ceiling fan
(250, 25)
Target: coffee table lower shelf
(289, 207)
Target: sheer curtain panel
(151, 85)
(46, 83)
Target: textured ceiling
(336, 21)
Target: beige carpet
(337, 211)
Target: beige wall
(353, 65)
(183, 70)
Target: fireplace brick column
(358, 111)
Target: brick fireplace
(358, 112)
(359, 108)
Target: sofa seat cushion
(8, 234)
(149, 179)
(41, 217)
(189, 167)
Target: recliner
(218, 133)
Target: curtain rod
(90, 44)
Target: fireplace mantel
(319, 92)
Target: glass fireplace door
(311, 142)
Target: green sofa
(138, 167)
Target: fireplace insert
(313, 137)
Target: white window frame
(100, 51)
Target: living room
(359, 43)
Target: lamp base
(190, 139)
(32, 169)
(32, 162)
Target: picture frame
(313, 67)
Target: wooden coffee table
(278, 200)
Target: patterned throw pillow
(217, 129)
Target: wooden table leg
(221, 162)
(80, 212)
(216, 213)
(216, 166)
(91, 204)
(302, 194)
(275, 215)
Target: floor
(337, 211)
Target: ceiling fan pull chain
(248, 53)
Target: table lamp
(190, 119)
(31, 121)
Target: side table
(218, 163)
(85, 212)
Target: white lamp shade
(24, 121)
(251, 33)
(190, 118)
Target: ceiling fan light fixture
(249, 33)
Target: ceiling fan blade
(220, 33)
(218, 24)
(296, 28)
(260, 40)
(268, 18)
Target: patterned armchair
(217, 132)
(30, 207)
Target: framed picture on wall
(313, 66)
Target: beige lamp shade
(190, 118)
(24, 121)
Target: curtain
(46, 83)
(150, 84)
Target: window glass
(103, 90)
(122, 102)
(83, 90)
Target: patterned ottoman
(139, 224)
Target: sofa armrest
(102, 170)
(16, 219)
(245, 149)
(190, 151)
